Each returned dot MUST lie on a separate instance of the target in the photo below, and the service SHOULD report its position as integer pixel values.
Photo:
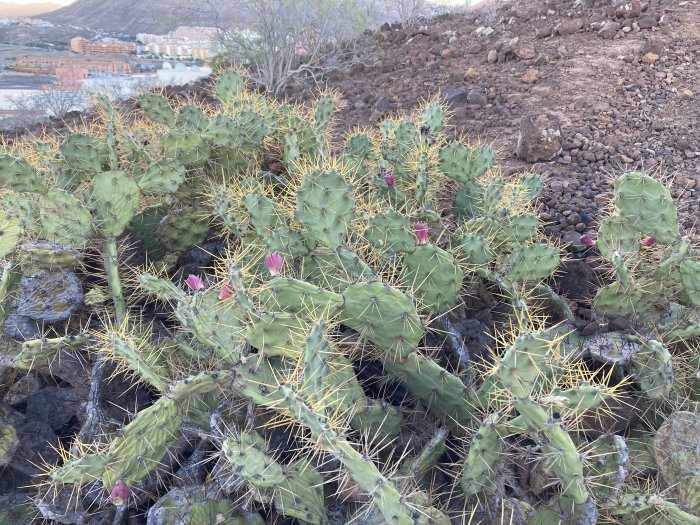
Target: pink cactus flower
(420, 229)
(226, 290)
(389, 179)
(274, 263)
(120, 493)
(586, 240)
(648, 242)
(194, 282)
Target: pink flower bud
(274, 263)
(120, 493)
(226, 290)
(648, 241)
(421, 231)
(586, 240)
(389, 179)
(194, 282)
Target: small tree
(281, 40)
(409, 11)
(56, 102)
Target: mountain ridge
(14, 10)
(127, 16)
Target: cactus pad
(64, 220)
(433, 276)
(182, 228)
(115, 197)
(647, 206)
(18, 175)
(325, 206)
(384, 316)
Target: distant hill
(12, 10)
(126, 16)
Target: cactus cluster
(305, 364)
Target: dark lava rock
(540, 137)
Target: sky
(64, 2)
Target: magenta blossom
(226, 290)
(648, 242)
(274, 263)
(586, 240)
(194, 282)
(421, 231)
(389, 179)
(120, 493)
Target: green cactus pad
(229, 86)
(690, 279)
(192, 118)
(325, 206)
(81, 471)
(521, 228)
(162, 177)
(617, 299)
(287, 242)
(301, 494)
(277, 334)
(442, 393)
(376, 418)
(523, 363)
(468, 200)
(248, 456)
(383, 315)
(39, 254)
(334, 269)
(480, 474)
(115, 197)
(198, 505)
(157, 108)
(534, 262)
(647, 206)
(455, 162)
(21, 207)
(10, 233)
(433, 276)
(186, 147)
(360, 145)
(85, 154)
(434, 118)
(615, 235)
(144, 227)
(476, 249)
(531, 186)
(64, 220)
(18, 175)
(391, 231)
(323, 111)
(301, 298)
(182, 228)
(143, 443)
(262, 213)
(653, 363)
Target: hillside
(624, 85)
(13, 10)
(125, 16)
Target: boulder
(540, 137)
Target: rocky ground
(621, 77)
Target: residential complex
(101, 47)
(48, 65)
(196, 43)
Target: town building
(83, 46)
(48, 65)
